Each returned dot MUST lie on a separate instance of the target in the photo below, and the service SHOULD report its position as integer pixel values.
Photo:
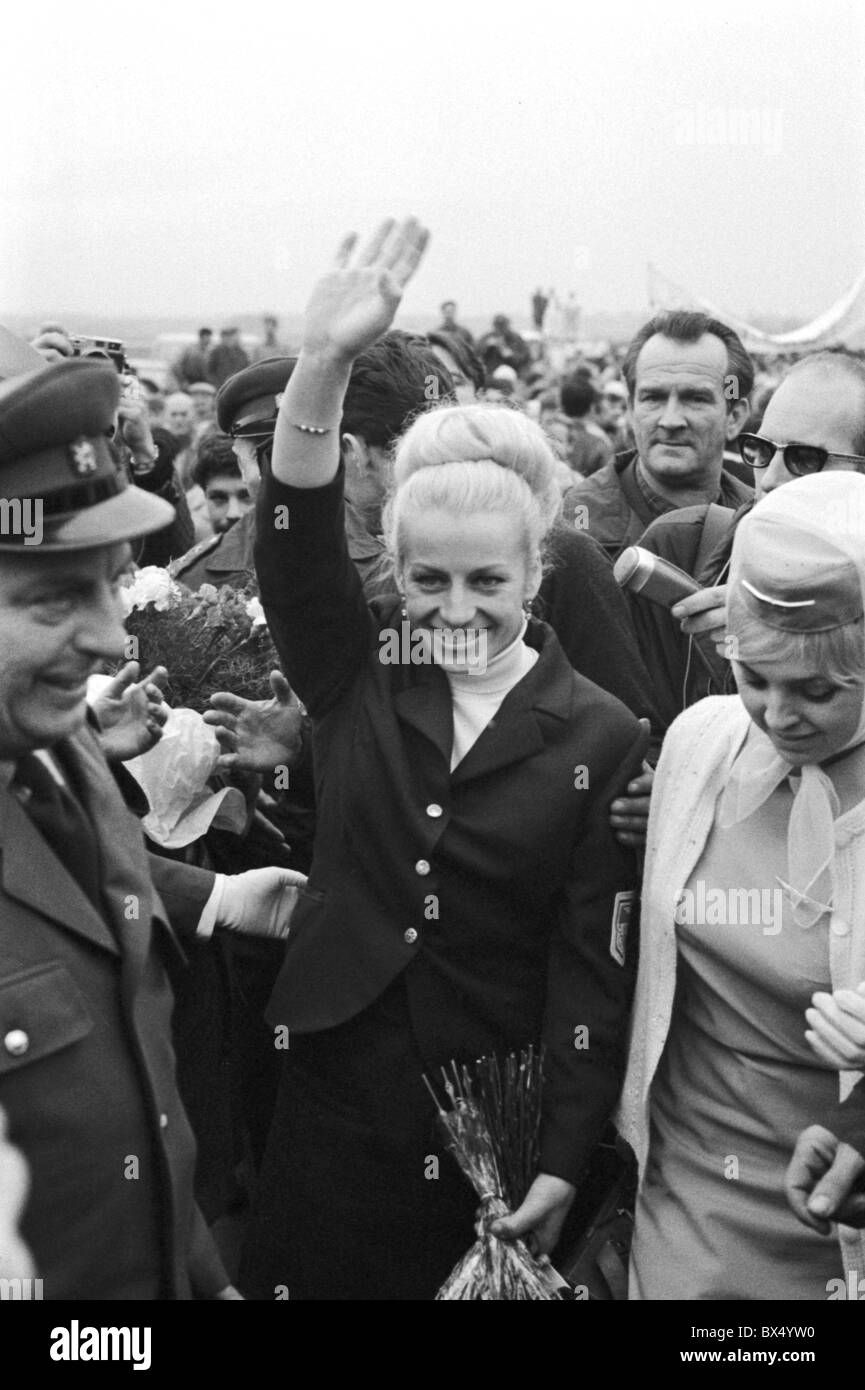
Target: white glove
(258, 902)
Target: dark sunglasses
(799, 459)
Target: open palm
(353, 304)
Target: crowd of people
(566, 814)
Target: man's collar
(657, 504)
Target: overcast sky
(204, 159)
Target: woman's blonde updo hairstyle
(469, 459)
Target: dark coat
(499, 889)
(91, 1100)
(615, 511)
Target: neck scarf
(798, 566)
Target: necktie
(57, 814)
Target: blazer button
(422, 866)
(410, 936)
(434, 810)
(838, 925)
(16, 1042)
(163, 1121)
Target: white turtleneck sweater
(477, 695)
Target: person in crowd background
(688, 379)
(450, 325)
(270, 345)
(587, 451)
(192, 364)
(227, 358)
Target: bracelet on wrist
(313, 429)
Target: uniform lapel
(518, 730)
(126, 885)
(425, 704)
(34, 876)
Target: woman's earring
(403, 610)
(527, 608)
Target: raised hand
(353, 304)
(131, 712)
(257, 735)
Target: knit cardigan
(695, 761)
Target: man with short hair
(688, 378)
(179, 420)
(226, 494)
(270, 346)
(203, 397)
(227, 358)
(449, 323)
(191, 366)
(587, 451)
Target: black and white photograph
(432, 671)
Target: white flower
(149, 585)
(255, 611)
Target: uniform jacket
(86, 1061)
(221, 559)
(694, 766)
(617, 510)
(498, 890)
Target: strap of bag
(715, 525)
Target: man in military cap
(246, 408)
(87, 1076)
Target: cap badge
(83, 458)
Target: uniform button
(163, 1121)
(16, 1042)
(410, 936)
(422, 866)
(434, 810)
(839, 926)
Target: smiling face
(60, 616)
(467, 572)
(808, 715)
(679, 413)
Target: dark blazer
(91, 1099)
(499, 889)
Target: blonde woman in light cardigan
(753, 899)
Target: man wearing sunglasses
(815, 422)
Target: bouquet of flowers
(215, 639)
(492, 1131)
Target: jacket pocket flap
(42, 1010)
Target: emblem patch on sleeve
(623, 908)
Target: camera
(655, 579)
(112, 349)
